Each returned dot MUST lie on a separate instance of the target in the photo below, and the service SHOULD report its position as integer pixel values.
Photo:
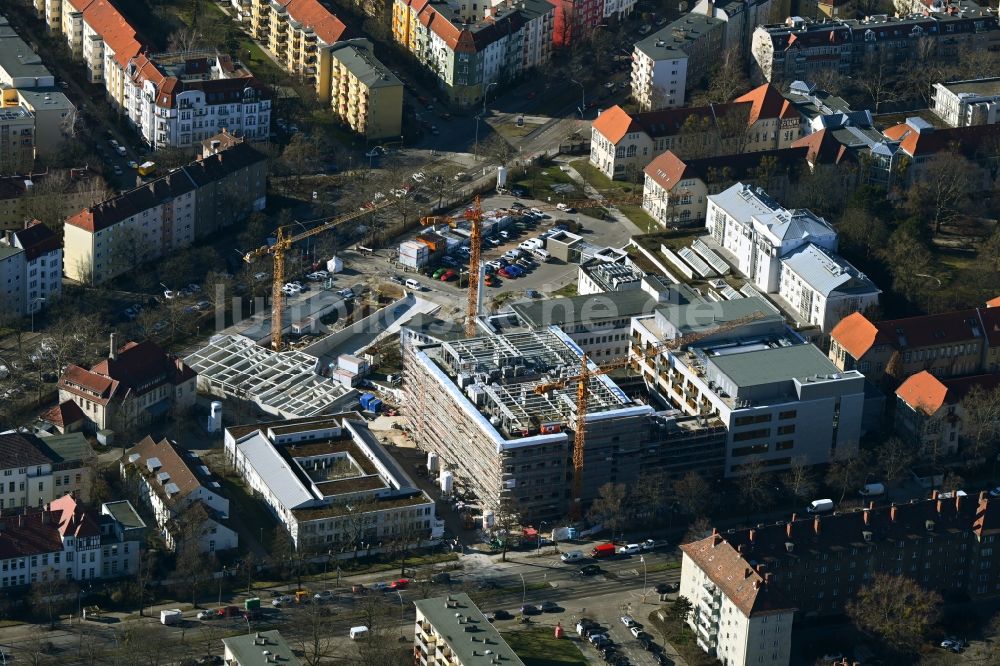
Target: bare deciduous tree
(897, 610)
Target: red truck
(604, 550)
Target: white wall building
(735, 615)
(43, 264)
(180, 491)
(965, 103)
(32, 474)
(330, 483)
(780, 399)
(823, 287)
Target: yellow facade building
(361, 90)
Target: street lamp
(37, 300)
(583, 97)
(402, 627)
(524, 590)
(642, 558)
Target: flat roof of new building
(260, 649)
(360, 61)
(44, 99)
(984, 87)
(581, 310)
(669, 41)
(766, 366)
(705, 315)
(125, 513)
(465, 629)
(69, 447)
(17, 59)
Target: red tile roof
(64, 414)
(139, 368)
(993, 302)
(615, 123)
(925, 392)
(116, 32)
(824, 148)
(668, 169)
(734, 576)
(172, 462)
(32, 533)
(767, 103)
(324, 23)
(73, 519)
(856, 334)
(967, 140)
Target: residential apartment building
(821, 288)
(577, 19)
(473, 403)
(172, 99)
(622, 145)
(43, 264)
(930, 412)
(330, 482)
(741, 18)
(779, 399)
(67, 542)
(442, 627)
(670, 61)
(920, 142)
(801, 48)
(12, 274)
(178, 488)
(469, 48)
(675, 191)
(83, 187)
(965, 103)
(816, 566)
(362, 92)
(599, 275)
(949, 344)
(164, 214)
(137, 384)
(259, 649)
(35, 471)
(17, 140)
(294, 31)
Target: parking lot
(541, 277)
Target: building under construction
(472, 401)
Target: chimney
(794, 516)
(866, 515)
(753, 533)
(768, 577)
(716, 540)
(939, 505)
(761, 568)
(756, 584)
(934, 495)
(788, 530)
(741, 548)
(747, 572)
(892, 512)
(715, 531)
(789, 546)
(816, 525)
(871, 505)
(113, 343)
(982, 496)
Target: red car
(448, 275)
(504, 274)
(399, 584)
(228, 611)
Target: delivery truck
(603, 550)
(172, 616)
(820, 506)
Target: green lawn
(539, 181)
(640, 218)
(568, 290)
(538, 646)
(603, 184)
(512, 131)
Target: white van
(820, 506)
(414, 285)
(358, 633)
(543, 255)
(572, 556)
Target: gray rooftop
(672, 40)
(249, 650)
(768, 366)
(978, 87)
(703, 316)
(7, 251)
(357, 56)
(434, 327)
(124, 513)
(16, 57)
(69, 447)
(44, 99)
(826, 272)
(585, 309)
(452, 617)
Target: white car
(648, 544)
(291, 289)
(169, 294)
(628, 621)
(260, 276)
(630, 549)
(205, 615)
(562, 206)
(318, 276)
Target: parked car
(529, 609)
(502, 615)
(346, 293)
(590, 570)
(441, 577)
(637, 631)
(399, 584)
(628, 621)
(325, 595)
(664, 588)
(549, 607)
(629, 549)
(205, 615)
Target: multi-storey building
(43, 264)
(65, 541)
(745, 584)
(539, 23)
(294, 31)
(930, 412)
(741, 18)
(779, 399)
(965, 103)
(473, 402)
(83, 187)
(622, 145)
(35, 471)
(330, 482)
(468, 48)
(577, 19)
(790, 253)
(672, 60)
(949, 344)
(440, 634)
(179, 490)
(675, 191)
(172, 99)
(12, 279)
(137, 384)
(17, 140)
(801, 48)
(164, 214)
(920, 142)
(362, 92)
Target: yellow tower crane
(579, 432)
